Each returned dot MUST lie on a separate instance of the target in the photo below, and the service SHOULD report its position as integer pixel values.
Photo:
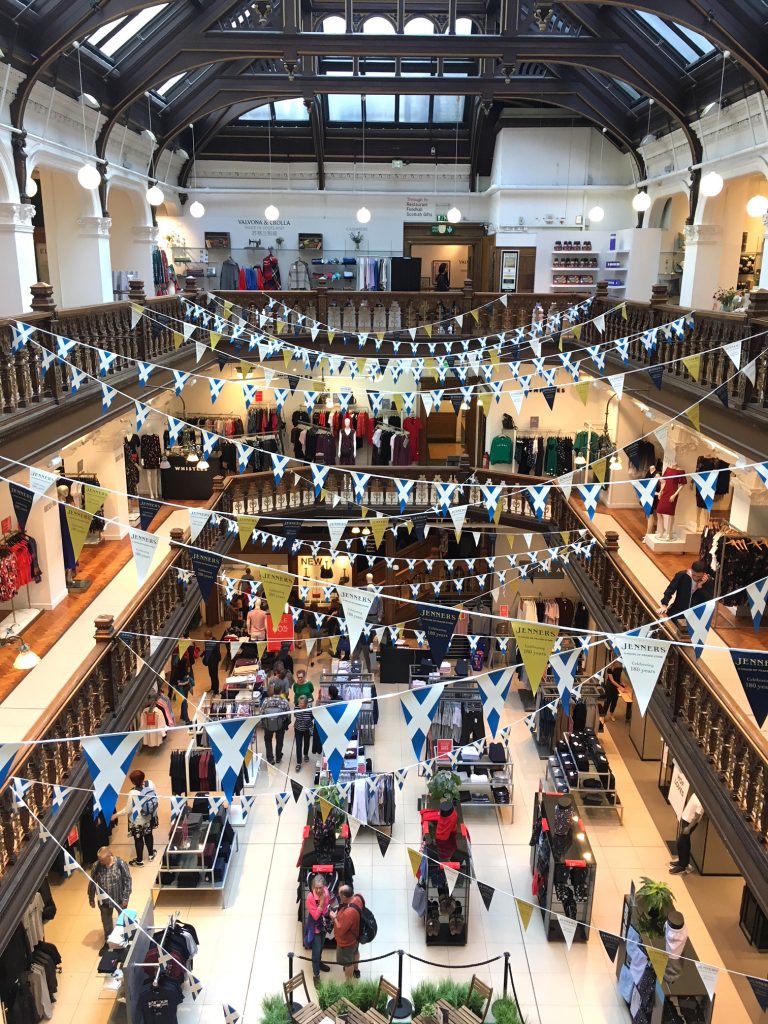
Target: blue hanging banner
(438, 624)
(752, 667)
(148, 509)
(206, 565)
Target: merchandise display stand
(484, 782)
(199, 852)
(579, 767)
(447, 916)
(126, 1008)
(681, 994)
(563, 866)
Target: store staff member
(693, 812)
(687, 589)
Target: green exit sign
(442, 229)
(441, 216)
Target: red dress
(672, 479)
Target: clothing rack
(174, 917)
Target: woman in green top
(302, 687)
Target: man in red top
(346, 931)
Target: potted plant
(429, 1013)
(725, 297)
(423, 993)
(444, 785)
(356, 237)
(653, 901)
(505, 1011)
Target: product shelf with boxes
(575, 264)
(484, 780)
(562, 864)
(200, 851)
(580, 768)
(616, 268)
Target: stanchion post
(293, 1006)
(402, 1008)
(506, 972)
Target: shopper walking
(302, 729)
(110, 886)
(611, 683)
(346, 930)
(184, 687)
(318, 905)
(276, 713)
(212, 660)
(688, 588)
(141, 808)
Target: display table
(199, 853)
(185, 481)
(495, 781)
(447, 917)
(579, 767)
(394, 662)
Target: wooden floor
(100, 565)
(633, 521)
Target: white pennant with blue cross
(174, 429)
(142, 411)
(47, 359)
(231, 1016)
(757, 594)
(21, 335)
(180, 378)
(281, 802)
(178, 803)
(244, 453)
(229, 741)
(279, 462)
(538, 498)
(58, 795)
(491, 496)
(589, 494)
(145, 371)
(63, 347)
(106, 359)
(319, 476)
(108, 759)
(19, 788)
(705, 485)
(77, 376)
(107, 396)
(360, 482)
(445, 494)
(494, 687)
(419, 708)
(280, 396)
(699, 620)
(564, 665)
(217, 386)
(336, 725)
(646, 492)
(404, 490)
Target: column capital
(146, 233)
(703, 234)
(94, 227)
(16, 218)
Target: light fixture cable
(712, 183)
(363, 214)
(454, 214)
(88, 175)
(196, 208)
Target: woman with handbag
(318, 905)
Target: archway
(131, 240)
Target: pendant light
(757, 206)
(363, 214)
(271, 213)
(712, 183)
(454, 214)
(88, 175)
(196, 208)
(641, 201)
(31, 187)
(597, 213)
(154, 193)
(26, 659)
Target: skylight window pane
(262, 113)
(380, 108)
(448, 108)
(95, 38)
(344, 108)
(414, 108)
(130, 29)
(669, 35)
(167, 86)
(419, 27)
(334, 25)
(463, 26)
(378, 26)
(291, 110)
(703, 44)
(628, 89)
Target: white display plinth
(682, 541)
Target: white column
(89, 279)
(701, 269)
(763, 282)
(17, 257)
(109, 464)
(43, 524)
(145, 237)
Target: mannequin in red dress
(672, 482)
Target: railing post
(42, 298)
(659, 296)
(601, 291)
(190, 286)
(136, 292)
(611, 541)
(293, 1006)
(105, 628)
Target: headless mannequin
(653, 519)
(347, 449)
(667, 504)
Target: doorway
(461, 250)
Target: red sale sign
(282, 635)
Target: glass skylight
(378, 26)
(110, 42)
(414, 108)
(344, 108)
(447, 108)
(688, 44)
(167, 86)
(380, 108)
(419, 27)
(334, 25)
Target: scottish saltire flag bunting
(537, 496)
(420, 635)
(244, 453)
(281, 802)
(419, 707)
(279, 462)
(47, 359)
(404, 491)
(360, 482)
(106, 359)
(494, 687)
(179, 380)
(345, 397)
(589, 494)
(215, 803)
(699, 619)
(280, 396)
(705, 485)
(19, 787)
(757, 594)
(63, 347)
(229, 741)
(564, 665)
(400, 777)
(174, 429)
(76, 379)
(108, 759)
(310, 397)
(491, 496)
(58, 795)
(145, 371)
(217, 386)
(336, 725)
(646, 492)
(178, 803)
(70, 864)
(107, 396)
(319, 476)
(195, 985)
(445, 494)
(231, 1016)
(21, 335)
(142, 411)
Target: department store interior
(384, 512)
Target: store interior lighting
(26, 659)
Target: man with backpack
(141, 809)
(353, 924)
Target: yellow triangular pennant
(261, 648)
(334, 642)
(494, 357)
(178, 340)
(415, 858)
(475, 314)
(581, 388)
(525, 910)
(561, 345)
(623, 311)
(245, 527)
(215, 337)
(566, 535)
(287, 358)
(693, 365)
(659, 959)
(280, 326)
(535, 643)
(331, 336)
(428, 330)
(79, 523)
(245, 367)
(226, 309)
(324, 807)
(94, 498)
(485, 402)
(409, 525)
(380, 335)
(184, 646)
(576, 331)
(599, 468)
(277, 587)
(379, 526)
(364, 510)
(497, 513)
(694, 415)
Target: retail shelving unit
(616, 269)
(199, 853)
(447, 918)
(563, 868)
(580, 768)
(574, 268)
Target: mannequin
(347, 449)
(653, 519)
(671, 485)
(675, 934)
(150, 463)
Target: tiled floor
(244, 947)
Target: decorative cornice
(703, 234)
(16, 218)
(146, 233)
(94, 227)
